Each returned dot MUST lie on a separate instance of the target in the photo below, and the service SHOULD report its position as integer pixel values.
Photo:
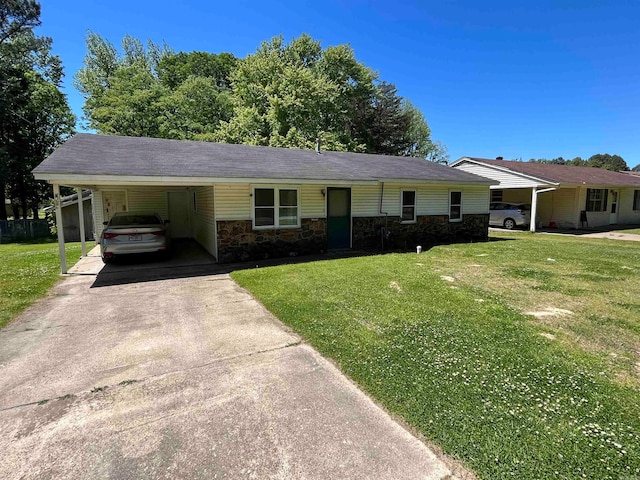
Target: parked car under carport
(134, 234)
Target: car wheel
(107, 259)
(509, 224)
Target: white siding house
(562, 196)
(244, 202)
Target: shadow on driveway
(189, 259)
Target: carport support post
(59, 228)
(81, 215)
(534, 209)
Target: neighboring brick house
(245, 202)
(561, 196)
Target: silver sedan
(134, 233)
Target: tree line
(283, 95)
(34, 114)
(600, 160)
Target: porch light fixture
(323, 192)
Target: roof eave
(130, 180)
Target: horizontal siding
(365, 201)
(232, 201)
(475, 200)
(98, 214)
(563, 211)
(139, 200)
(434, 201)
(627, 213)
(312, 202)
(431, 200)
(149, 199)
(506, 179)
(204, 224)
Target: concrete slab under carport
(184, 253)
(184, 378)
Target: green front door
(339, 218)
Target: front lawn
(442, 339)
(634, 231)
(27, 271)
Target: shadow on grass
(190, 260)
(585, 231)
(33, 241)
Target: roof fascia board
(128, 180)
(488, 181)
(544, 182)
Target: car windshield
(121, 220)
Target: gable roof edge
(504, 169)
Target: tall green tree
(115, 85)
(608, 162)
(285, 94)
(34, 115)
(174, 70)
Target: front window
(275, 207)
(455, 206)
(636, 199)
(408, 207)
(596, 200)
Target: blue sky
(515, 79)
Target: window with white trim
(636, 199)
(408, 206)
(455, 206)
(596, 200)
(276, 207)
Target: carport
(188, 206)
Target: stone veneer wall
(239, 242)
(428, 230)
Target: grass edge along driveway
(27, 271)
(462, 365)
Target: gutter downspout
(383, 232)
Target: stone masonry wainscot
(428, 230)
(239, 242)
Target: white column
(534, 208)
(81, 216)
(60, 228)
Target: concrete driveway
(184, 378)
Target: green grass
(635, 231)
(27, 271)
(463, 364)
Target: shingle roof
(89, 154)
(565, 173)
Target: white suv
(509, 215)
